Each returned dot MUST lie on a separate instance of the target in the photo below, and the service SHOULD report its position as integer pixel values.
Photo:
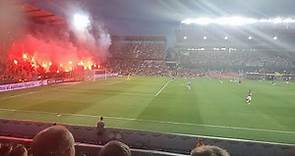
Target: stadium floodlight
(275, 38)
(277, 20)
(237, 21)
(250, 38)
(204, 37)
(289, 20)
(187, 21)
(80, 21)
(203, 21)
(199, 21)
(226, 38)
(184, 37)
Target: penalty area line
(162, 88)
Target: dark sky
(162, 16)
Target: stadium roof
(155, 16)
(40, 15)
(176, 10)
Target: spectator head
(200, 142)
(209, 151)
(19, 150)
(53, 141)
(115, 148)
(101, 118)
(5, 149)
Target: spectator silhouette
(19, 150)
(53, 141)
(115, 148)
(100, 130)
(207, 150)
(5, 149)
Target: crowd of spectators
(144, 57)
(7, 149)
(234, 60)
(147, 56)
(150, 50)
(141, 57)
(15, 71)
(22, 71)
(58, 141)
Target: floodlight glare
(203, 21)
(250, 38)
(184, 37)
(275, 38)
(80, 21)
(205, 38)
(237, 20)
(226, 38)
(277, 20)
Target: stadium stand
(196, 53)
(235, 60)
(140, 142)
(142, 55)
(230, 49)
(148, 55)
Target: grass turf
(212, 107)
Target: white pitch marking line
(160, 122)
(161, 89)
(17, 95)
(206, 125)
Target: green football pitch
(212, 107)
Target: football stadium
(147, 78)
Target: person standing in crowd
(100, 130)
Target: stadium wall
(174, 143)
(86, 149)
(32, 84)
(23, 85)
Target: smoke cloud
(96, 37)
(43, 44)
(12, 22)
